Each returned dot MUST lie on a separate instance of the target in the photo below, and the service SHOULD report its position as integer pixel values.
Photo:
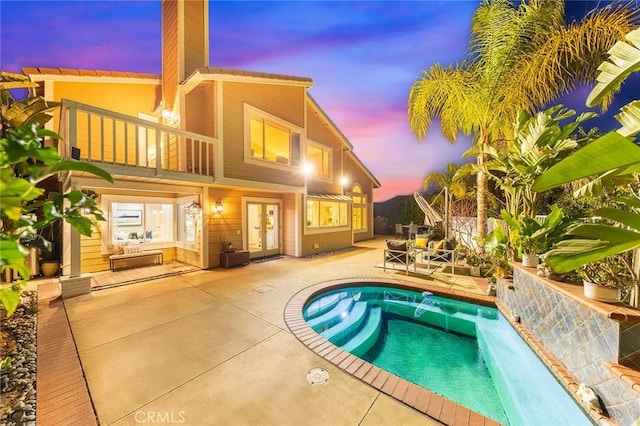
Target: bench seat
(155, 255)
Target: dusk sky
(362, 57)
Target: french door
(263, 228)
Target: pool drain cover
(317, 376)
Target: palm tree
(518, 59)
(452, 188)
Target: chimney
(185, 43)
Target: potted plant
(606, 280)
(49, 266)
(532, 237)
(474, 261)
(227, 246)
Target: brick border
(62, 396)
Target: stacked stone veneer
(580, 338)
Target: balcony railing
(98, 135)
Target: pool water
(465, 352)
(445, 363)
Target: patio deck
(212, 347)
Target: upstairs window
(272, 140)
(319, 157)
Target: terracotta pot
(530, 260)
(49, 269)
(601, 293)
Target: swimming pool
(468, 353)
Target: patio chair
(399, 232)
(399, 252)
(413, 230)
(443, 251)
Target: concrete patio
(212, 347)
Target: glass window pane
(257, 138)
(276, 144)
(313, 214)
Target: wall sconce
(218, 207)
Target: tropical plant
(612, 271)
(518, 59)
(539, 142)
(454, 188)
(536, 236)
(614, 156)
(14, 113)
(497, 241)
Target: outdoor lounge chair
(443, 251)
(399, 252)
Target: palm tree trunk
(481, 182)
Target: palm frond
(624, 59)
(444, 93)
(571, 54)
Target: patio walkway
(211, 347)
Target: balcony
(126, 145)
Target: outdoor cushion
(397, 245)
(450, 244)
(421, 242)
(439, 246)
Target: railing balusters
(72, 131)
(113, 139)
(176, 150)
(158, 151)
(126, 143)
(102, 137)
(89, 136)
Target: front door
(263, 229)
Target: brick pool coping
(417, 397)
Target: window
(141, 222)
(272, 140)
(319, 156)
(359, 208)
(326, 214)
(187, 225)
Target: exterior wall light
(218, 207)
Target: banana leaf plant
(16, 113)
(539, 142)
(614, 159)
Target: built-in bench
(155, 255)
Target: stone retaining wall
(580, 337)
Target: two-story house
(202, 155)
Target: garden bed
(18, 352)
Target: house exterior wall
(200, 114)
(125, 98)
(318, 131)
(290, 210)
(326, 241)
(284, 102)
